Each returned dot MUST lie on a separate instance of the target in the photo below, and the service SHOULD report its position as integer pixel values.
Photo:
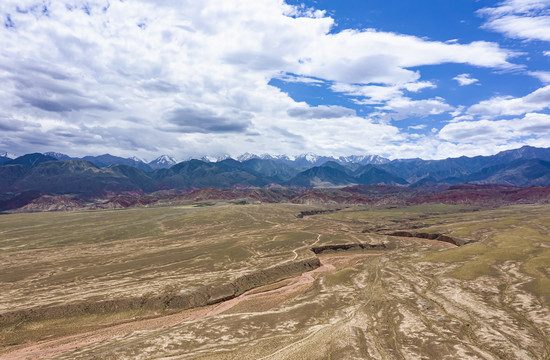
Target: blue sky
(429, 79)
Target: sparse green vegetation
(342, 277)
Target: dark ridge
(31, 160)
(431, 236)
(315, 212)
(346, 247)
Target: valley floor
(417, 299)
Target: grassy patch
(511, 234)
(344, 276)
(39, 330)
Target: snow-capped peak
(7, 154)
(362, 159)
(311, 157)
(208, 158)
(136, 159)
(247, 156)
(223, 157)
(285, 157)
(58, 156)
(165, 159)
(163, 162)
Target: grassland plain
(418, 299)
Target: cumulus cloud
(465, 79)
(377, 94)
(320, 112)
(291, 78)
(195, 120)
(402, 107)
(380, 57)
(419, 85)
(371, 94)
(543, 76)
(287, 134)
(508, 105)
(8, 125)
(534, 125)
(159, 85)
(391, 103)
(522, 19)
(134, 77)
(461, 118)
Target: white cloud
(370, 56)
(522, 27)
(402, 107)
(320, 112)
(465, 79)
(508, 105)
(375, 94)
(462, 118)
(546, 53)
(533, 125)
(521, 19)
(380, 93)
(143, 77)
(459, 110)
(543, 76)
(390, 102)
(419, 85)
(289, 78)
(418, 127)
(516, 7)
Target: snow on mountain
(247, 156)
(166, 159)
(163, 162)
(58, 156)
(223, 157)
(136, 159)
(277, 157)
(312, 158)
(208, 158)
(267, 157)
(7, 154)
(363, 159)
(307, 160)
(285, 157)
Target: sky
(401, 79)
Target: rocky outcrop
(315, 212)
(246, 282)
(430, 236)
(347, 247)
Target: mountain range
(105, 175)
(304, 161)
